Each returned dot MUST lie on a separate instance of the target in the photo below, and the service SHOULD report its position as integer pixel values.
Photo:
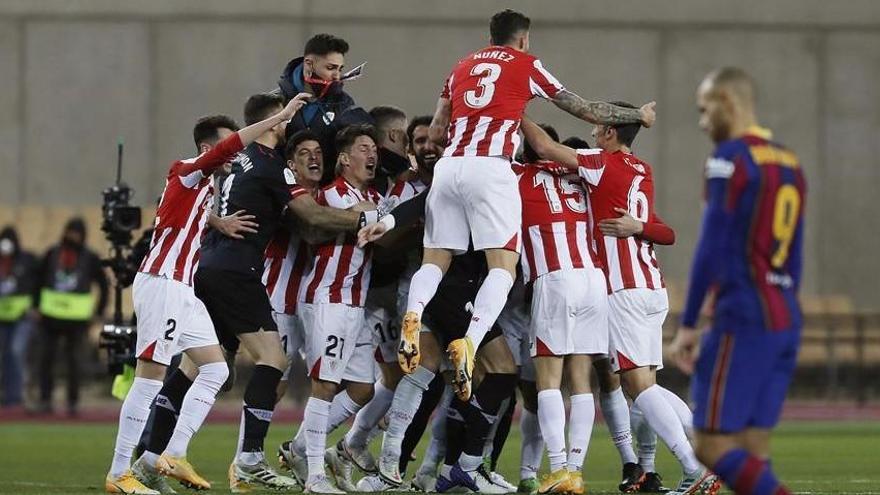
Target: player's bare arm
(234, 225)
(437, 132)
(626, 225)
(600, 112)
(253, 131)
(313, 215)
(546, 147)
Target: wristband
(367, 217)
(388, 221)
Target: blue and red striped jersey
(751, 240)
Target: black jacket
(78, 278)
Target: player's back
(626, 182)
(488, 91)
(762, 253)
(556, 223)
(260, 184)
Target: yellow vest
(13, 307)
(73, 306)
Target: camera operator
(319, 73)
(66, 307)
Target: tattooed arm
(599, 112)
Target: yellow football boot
(461, 354)
(555, 482)
(408, 356)
(127, 484)
(575, 483)
(181, 470)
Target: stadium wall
(78, 74)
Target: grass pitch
(815, 458)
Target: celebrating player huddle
(299, 263)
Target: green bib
(72, 306)
(12, 308)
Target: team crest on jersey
(289, 177)
(328, 117)
(637, 166)
(719, 168)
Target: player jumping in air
(475, 194)
(750, 253)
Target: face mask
(7, 247)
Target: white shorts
(635, 323)
(292, 334)
(338, 345)
(170, 319)
(514, 322)
(473, 198)
(384, 326)
(569, 313)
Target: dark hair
(324, 43)
(383, 115)
(297, 139)
(206, 128)
(626, 133)
(421, 120)
(347, 136)
(261, 106)
(577, 143)
(529, 155)
(506, 24)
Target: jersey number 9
(785, 220)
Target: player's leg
(532, 448)
(158, 311)
(581, 417)
(616, 412)
(404, 406)
(551, 417)
(498, 382)
(425, 478)
(446, 232)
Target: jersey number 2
(479, 98)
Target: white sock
(684, 413)
(469, 463)
(341, 409)
(240, 435)
(315, 427)
(615, 410)
(369, 416)
(132, 419)
(407, 399)
(488, 304)
(437, 447)
(663, 420)
(196, 405)
(422, 287)
(580, 429)
(551, 416)
(532, 450)
(645, 438)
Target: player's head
(212, 129)
(305, 157)
(529, 154)
(260, 107)
(324, 57)
(358, 154)
(510, 28)
(577, 143)
(422, 148)
(726, 101)
(390, 124)
(612, 137)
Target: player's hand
(550, 167)
(649, 115)
(623, 226)
(685, 348)
(294, 105)
(237, 224)
(371, 233)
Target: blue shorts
(741, 379)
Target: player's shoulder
(722, 162)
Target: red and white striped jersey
(403, 190)
(488, 91)
(288, 260)
(183, 213)
(341, 271)
(622, 180)
(556, 223)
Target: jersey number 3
(482, 96)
